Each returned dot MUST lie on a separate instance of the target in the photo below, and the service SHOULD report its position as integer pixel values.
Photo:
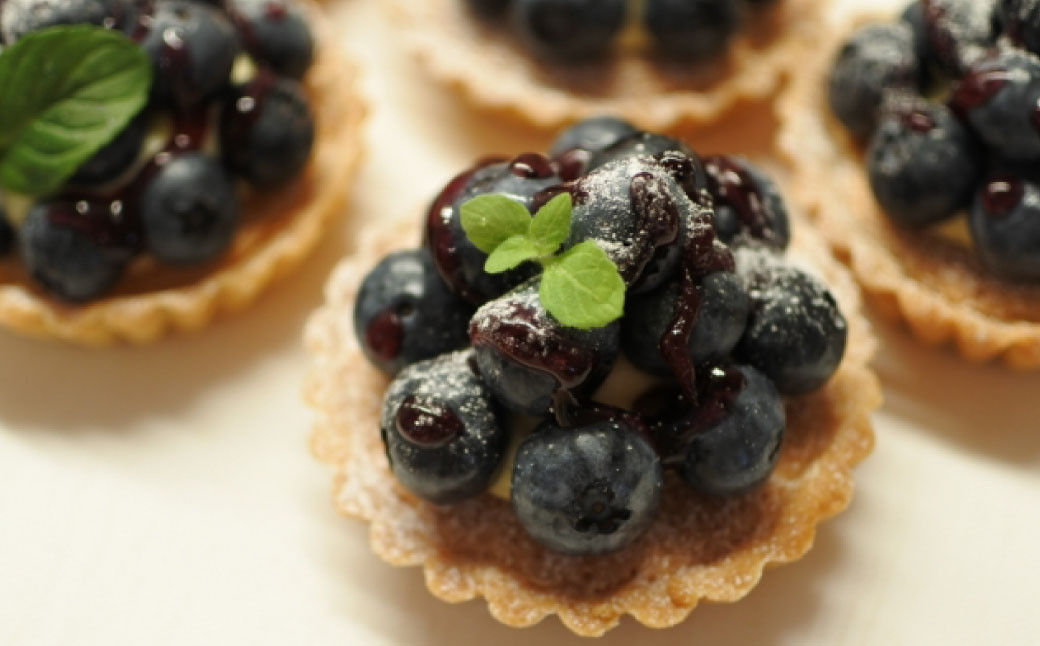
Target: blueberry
(748, 203)
(1021, 21)
(682, 162)
(21, 17)
(720, 322)
(193, 47)
(1005, 226)
(267, 131)
(275, 33)
(592, 135)
(404, 312)
(115, 157)
(923, 163)
(961, 32)
(527, 357)
(692, 29)
(638, 213)
(587, 490)
(1000, 99)
(568, 30)
(189, 210)
(458, 260)
(441, 429)
(796, 333)
(488, 9)
(739, 452)
(640, 144)
(874, 61)
(75, 249)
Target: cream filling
(955, 230)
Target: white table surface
(165, 495)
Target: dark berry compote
(578, 31)
(946, 103)
(498, 390)
(226, 111)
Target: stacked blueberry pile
(949, 100)
(563, 30)
(718, 327)
(166, 184)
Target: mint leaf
(67, 91)
(552, 224)
(510, 254)
(490, 220)
(583, 288)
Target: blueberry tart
(617, 380)
(917, 144)
(163, 162)
(658, 63)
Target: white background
(166, 496)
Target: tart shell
(938, 288)
(278, 231)
(492, 70)
(697, 548)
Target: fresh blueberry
(961, 32)
(1000, 99)
(587, 490)
(442, 432)
(75, 249)
(639, 214)
(748, 203)
(874, 61)
(193, 47)
(923, 163)
(459, 261)
(721, 318)
(738, 453)
(490, 9)
(796, 333)
(528, 359)
(404, 312)
(21, 17)
(189, 210)
(681, 161)
(267, 131)
(1005, 226)
(640, 144)
(592, 135)
(115, 157)
(568, 30)
(1021, 21)
(692, 30)
(275, 33)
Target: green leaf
(490, 220)
(552, 224)
(583, 289)
(510, 254)
(67, 91)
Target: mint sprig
(67, 91)
(581, 287)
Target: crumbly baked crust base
(938, 288)
(698, 548)
(492, 70)
(278, 231)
